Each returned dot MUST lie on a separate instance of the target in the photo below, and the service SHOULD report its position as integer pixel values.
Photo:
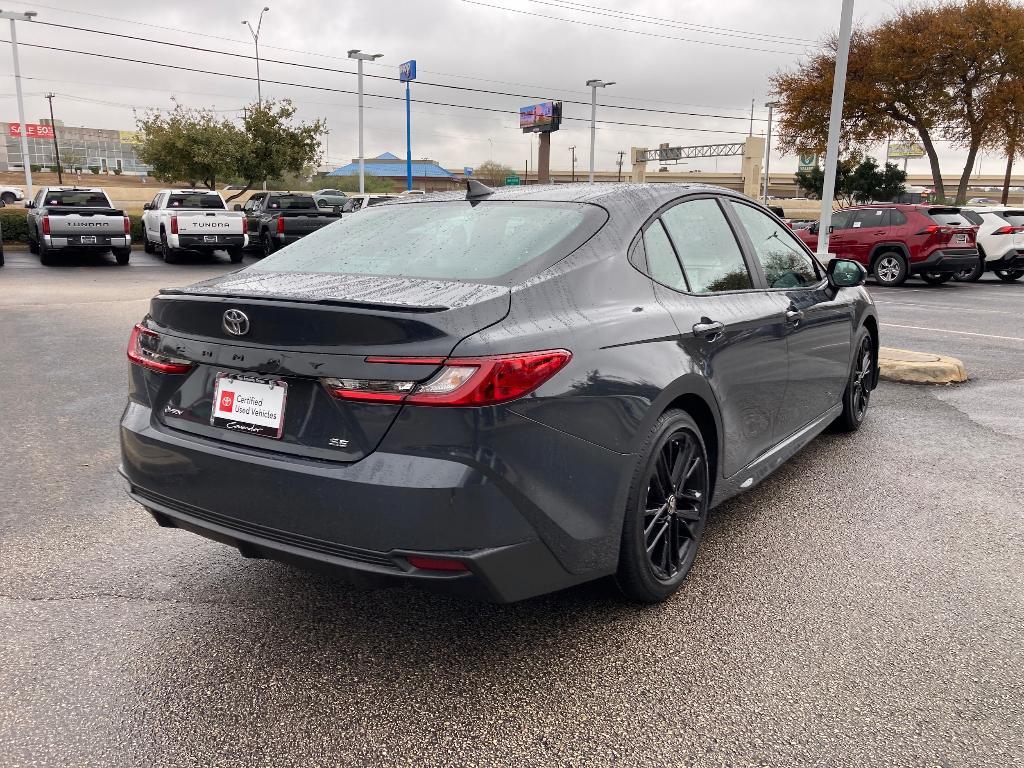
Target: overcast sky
(680, 55)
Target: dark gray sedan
(497, 394)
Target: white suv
(1000, 242)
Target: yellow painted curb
(919, 367)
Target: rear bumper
(362, 518)
(56, 243)
(947, 260)
(199, 243)
(1012, 259)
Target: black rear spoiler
(60, 210)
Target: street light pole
(594, 85)
(834, 124)
(360, 57)
(26, 161)
(256, 41)
(573, 150)
(56, 147)
(768, 149)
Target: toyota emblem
(236, 322)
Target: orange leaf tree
(936, 72)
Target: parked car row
(937, 243)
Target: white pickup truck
(192, 220)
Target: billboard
(407, 71)
(906, 149)
(32, 130)
(540, 118)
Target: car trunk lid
(301, 328)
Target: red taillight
(245, 225)
(1008, 230)
(46, 225)
(127, 225)
(466, 381)
(174, 225)
(142, 350)
(280, 225)
(436, 563)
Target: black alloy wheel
(235, 254)
(8, 198)
(1009, 275)
(267, 243)
(857, 395)
(669, 508)
(973, 274)
(170, 255)
(937, 278)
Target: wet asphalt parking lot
(863, 606)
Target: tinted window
(871, 218)
(897, 219)
(195, 200)
(952, 217)
(76, 199)
(661, 259)
(451, 240)
(288, 202)
(712, 259)
(785, 263)
(842, 219)
(1016, 218)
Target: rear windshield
(287, 202)
(1016, 218)
(954, 217)
(442, 240)
(196, 200)
(79, 198)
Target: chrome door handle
(710, 330)
(794, 316)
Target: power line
(196, 70)
(646, 19)
(630, 31)
(419, 83)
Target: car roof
(75, 189)
(191, 191)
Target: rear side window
(896, 218)
(662, 263)
(784, 261)
(456, 240)
(867, 218)
(842, 219)
(287, 202)
(711, 257)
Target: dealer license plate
(88, 239)
(248, 405)
(960, 239)
(209, 238)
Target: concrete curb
(919, 367)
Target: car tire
(235, 254)
(1009, 275)
(122, 255)
(170, 255)
(937, 278)
(46, 257)
(859, 385)
(147, 246)
(33, 246)
(974, 274)
(267, 243)
(8, 198)
(891, 269)
(666, 511)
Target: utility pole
(360, 57)
(573, 150)
(256, 41)
(56, 149)
(594, 85)
(768, 149)
(621, 153)
(751, 118)
(26, 161)
(834, 124)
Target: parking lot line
(949, 306)
(958, 333)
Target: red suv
(894, 242)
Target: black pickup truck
(276, 219)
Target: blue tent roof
(392, 169)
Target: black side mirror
(843, 273)
(237, 207)
(3, 204)
(147, 207)
(29, 204)
(813, 229)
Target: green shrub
(35, 167)
(94, 168)
(12, 222)
(117, 171)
